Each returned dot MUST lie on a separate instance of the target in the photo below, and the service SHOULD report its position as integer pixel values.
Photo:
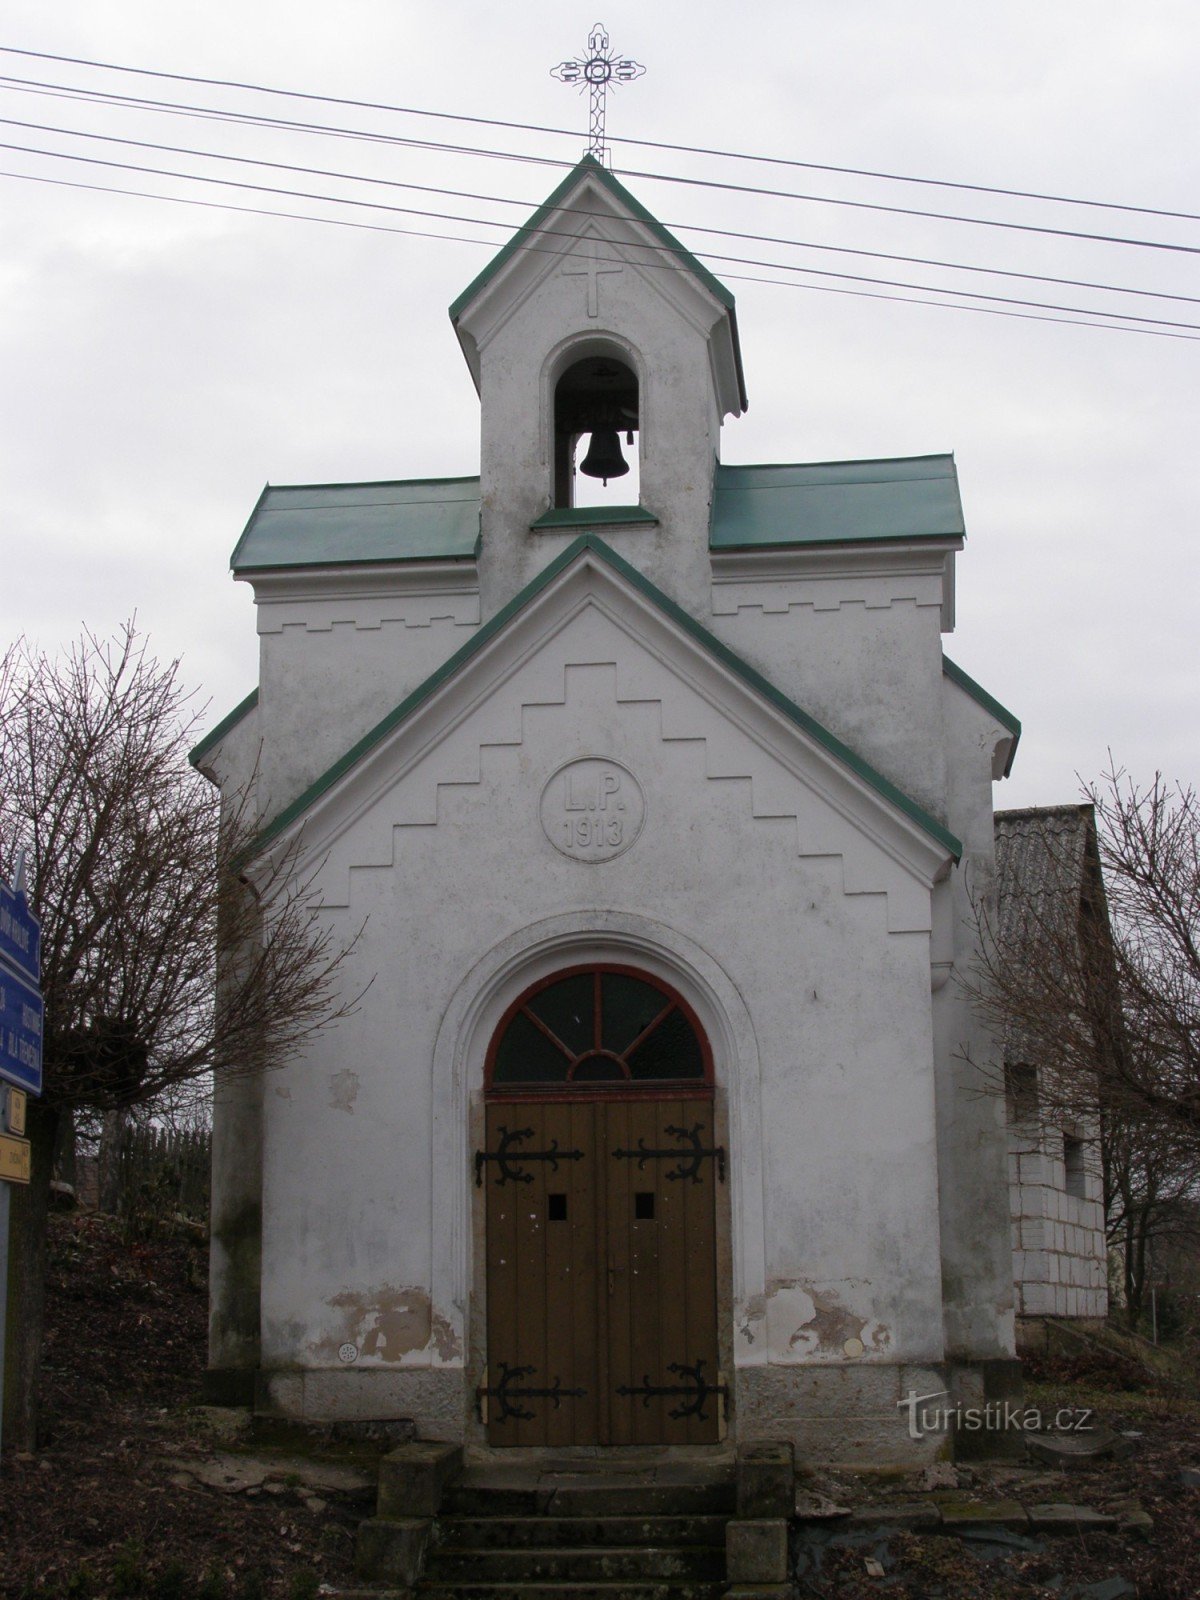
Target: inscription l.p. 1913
(592, 809)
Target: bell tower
(598, 345)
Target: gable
(591, 210)
(590, 609)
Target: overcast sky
(160, 362)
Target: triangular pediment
(587, 612)
(593, 217)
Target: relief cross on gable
(593, 269)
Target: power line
(647, 144)
(492, 199)
(660, 177)
(243, 119)
(658, 248)
(734, 277)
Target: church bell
(604, 458)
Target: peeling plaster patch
(285, 1093)
(822, 1324)
(343, 1090)
(386, 1324)
(445, 1340)
(831, 1325)
(753, 1311)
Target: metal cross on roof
(596, 71)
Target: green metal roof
(665, 237)
(834, 502)
(242, 709)
(593, 517)
(741, 669)
(981, 697)
(341, 524)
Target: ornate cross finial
(596, 71)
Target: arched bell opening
(596, 422)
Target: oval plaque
(592, 809)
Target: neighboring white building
(1048, 873)
(654, 1124)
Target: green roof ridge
(373, 483)
(243, 708)
(696, 630)
(989, 703)
(834, 461)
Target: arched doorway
(600, 1172)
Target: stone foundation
(859, 1416)
(431, 1397)
(845, 1415)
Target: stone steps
(579, 1541)
(559, 1590)
(574, 1563)
(548, 1531)
(705, 1498)
(563, 1532)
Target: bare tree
(1150, 847)
(1151, 1184)
(133, 872)
(1094, 975)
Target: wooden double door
(601, 1272)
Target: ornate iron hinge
(689, 1160)
(510, 1160)
(697, 1391)
(509, 1389)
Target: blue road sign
(20, 935)
(20, 1033)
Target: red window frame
(616, 1088)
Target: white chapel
(658, 823)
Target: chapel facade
(654, 829)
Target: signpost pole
(21, 1015)
(4, 1209)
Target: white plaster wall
(864, 657)
(450, 862)
(330, 669)
(976, 1251)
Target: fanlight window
(602, 1026)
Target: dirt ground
(99, 1510)
(110, 1504)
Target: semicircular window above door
(598, 1027)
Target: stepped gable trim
(590, 543)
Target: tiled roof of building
(1046, 867)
